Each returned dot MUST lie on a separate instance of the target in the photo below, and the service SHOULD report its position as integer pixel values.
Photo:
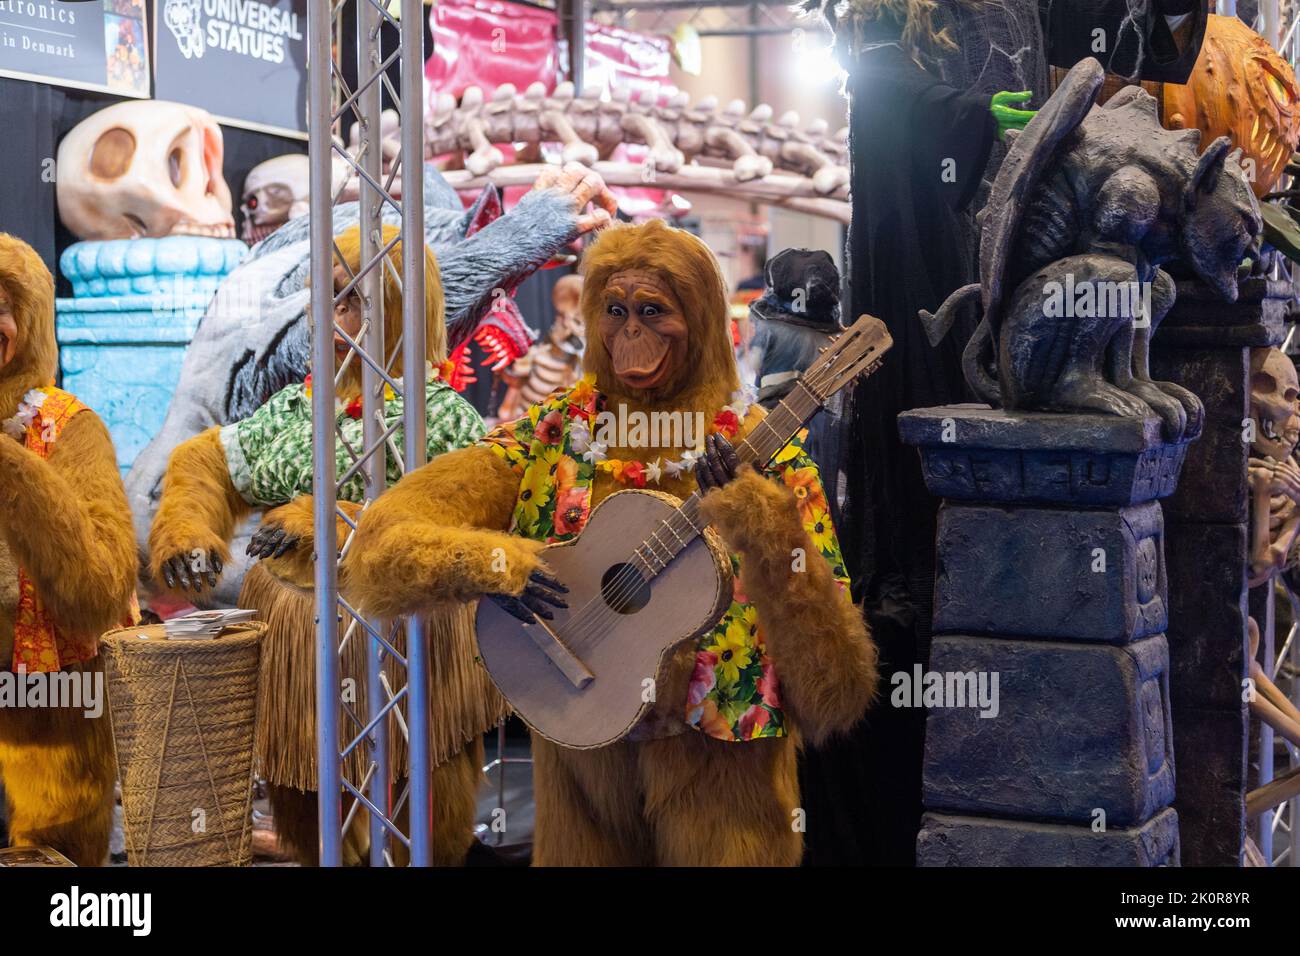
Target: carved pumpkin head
(1243, 89)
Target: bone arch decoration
(692, 147)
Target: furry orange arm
(438, 535)
(199, 508)
(824, 655)
(297, 565)
(67, 523)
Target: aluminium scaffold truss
(330, 99)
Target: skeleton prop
(553, 364)
(144, 169)
(1273, 475)
(742, 153)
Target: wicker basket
(183, 716)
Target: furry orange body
(673, 796)
(64, 521)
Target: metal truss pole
(407, 703)
(413, 338)
(319, 148)
(369, 107)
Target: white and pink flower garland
(727, 421)
(16, 426)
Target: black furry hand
(271, 541)
(180, 568)
(540, 594)
(719, 465)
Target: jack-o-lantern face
(1243, 89)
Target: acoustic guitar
(585, 678)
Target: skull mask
(138, 169)
(1274, 404)
(274, 192)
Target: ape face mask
(643, 328)
(8, 329)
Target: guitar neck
(760, 445)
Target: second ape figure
(709, 777)
(215, 479)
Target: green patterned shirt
(269, 453)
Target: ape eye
(617, 311)
(651, 310)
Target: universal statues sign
(89, 46)
(244, 61)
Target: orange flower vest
(39, 643)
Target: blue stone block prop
(977, 453)
(1050, 572)
(947, 840)
(1078, 728)
(123, 334)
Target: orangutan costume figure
(216, 478)
(709, 776)
(67, 573)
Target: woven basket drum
(184, 715)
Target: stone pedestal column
(1050, 574)
(1204, 344)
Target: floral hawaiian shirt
(269, 453)
(734, 694)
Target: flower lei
(638, 474)
(353, 408)
(30, 406)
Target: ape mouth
(646, 375)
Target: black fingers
(702, 476)
(537, 595)
(727, 452)
(271, 542)
(181, 572)
(547, 581)
(288, 542)
(513, 606)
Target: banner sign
(244, 61)
(88, 46)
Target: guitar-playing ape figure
(709, 776)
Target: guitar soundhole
(624, 589)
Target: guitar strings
(584, 628)
(583, 624)
(628, 580)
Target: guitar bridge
(549, 643)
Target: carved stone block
(1077, 729)
(975, 453)
(972, 841)
(1095, 576)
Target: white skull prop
(275, 192)
(144, 168)
(1274, 403)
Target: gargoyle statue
(1089, 203)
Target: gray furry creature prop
(1089, 204)
(256, 338)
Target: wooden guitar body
(608, 658)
